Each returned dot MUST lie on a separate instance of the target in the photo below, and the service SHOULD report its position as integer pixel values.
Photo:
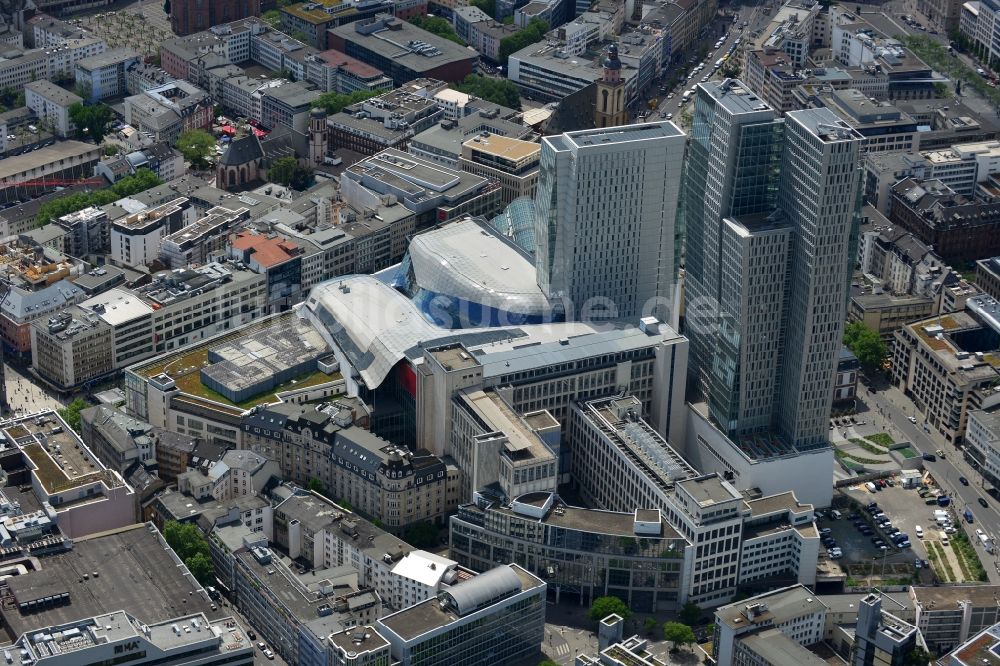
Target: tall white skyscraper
(605, 234)
(820, 194)
(770, 209)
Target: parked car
(982, 503)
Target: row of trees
(530, 34)
(498, 91)
(438, 26)
(142, 180)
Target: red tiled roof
(266, 251)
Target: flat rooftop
(735, 97)
(49, 155)
(504, 147)
(782, 605)
(415, 621)
(777, 648)
(398, 43)
(616, 135)
(61, 459)
(708, 490)
(135, 572)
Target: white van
(871, 487)
(920, 531)
(836, 515)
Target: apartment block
(136, 239)
(375, 477)
(50, 101)
(104, 75)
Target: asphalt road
(896, 410)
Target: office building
(949, 616)
(21, 306)
(334, 71)
(191, 639)
(947, 365)
(21, 66)
(63, 470)
(314, 20)
(410, 53)
(434, 192)
(50, 101)
(497, 616)
(166, 111)
(192, 16)
(118, 327)
(988, 276)
(879, 636)
(764, 372)
(770, 629)
(581, 553)
(607, 243)
(136, 239)
(117, 439)
(884, 127)
(982, 439)
(443, 141)
(981, 648)
(512, 162)
(197, 243)
(104, 75)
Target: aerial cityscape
(500, 332)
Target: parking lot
(905, 509)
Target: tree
(111, 149)
(288, 171)
(498, 91)
(918, 657)
(437, 26)
(530, 34)
(547, 662)
(421, 535)
(332, 102)
(196, 146)
(690, 613)
(678, 633)
(651, 626)
(488, 6)
(191, 546)
(142, 180)
(71, 413)
(201, 568)
(605, 606)
(866, 344)
(315, 485)
(942, 91)
(731, 69)
(91, 120)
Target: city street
(896, 408)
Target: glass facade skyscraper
(770, 209)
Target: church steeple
(610, 107)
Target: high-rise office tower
(605, 233)
(820, 194)
(770, 209)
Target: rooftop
(769, 608)
(948, 598)
(53, 93)
(625, 134)
(514, 150)
(777, 648)
(130, 569)
(107, 58)
(709, 489)
(60, 459)
(983, 649)
(406, 44)
(11, 167)
(417, 620)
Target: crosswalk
(562, 649)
